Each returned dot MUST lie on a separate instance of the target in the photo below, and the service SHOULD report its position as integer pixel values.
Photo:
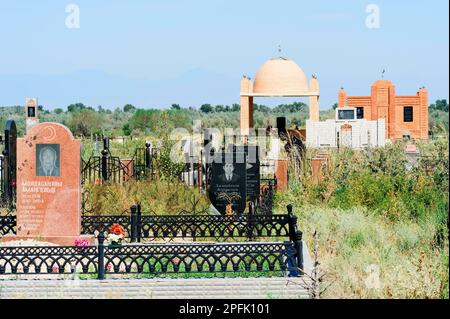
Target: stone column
(246, 105)
(314, 99)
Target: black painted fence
(165, 257)
(275, 257)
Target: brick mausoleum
(403, 115)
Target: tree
(129, 108)
(127, 129)
(206, 108)
(440, 105)
(235, 107)
(335, 105)
(175, 107)
(144, 119)
(76, 107)
(219, 108)
(58, 110)
(84, 121)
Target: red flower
(116, 229)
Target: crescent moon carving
(49, 133)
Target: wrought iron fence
(7, 225)
(140, 227)
(48, 260)
(101, 260)
(108, 168)
(166, 258)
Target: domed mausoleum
(277, 77)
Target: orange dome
(280, 77)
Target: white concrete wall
(324, 134)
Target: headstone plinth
(48, 186)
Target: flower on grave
(81, 244)
(176, 261)
(116, 234)
(113, 238)
(117, 230)
(55, 268)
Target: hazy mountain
(94, 88)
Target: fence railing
(108, 168)
(163, 258)
(140, 227)
(101, 260)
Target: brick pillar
(342, 98)
(246, 114)
(281, 173)
(423, 106)
(392, 112)
(246, 105)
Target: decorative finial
(382, 73)
(279, 49)
(314, 76)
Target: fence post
(106, 143)
(133, 223)
(101, 256)
(250, 221)
(296, 237)
(138, 223)
(292, 220)
(298, 244)
(199, 172)
(104, 165)
(148, 157)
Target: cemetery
(234, 203)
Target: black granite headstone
(228, 182)
(253, 168)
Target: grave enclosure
(48, 200)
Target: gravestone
(228, 182)
(31, 112)
(253, 168)
(48, 185)
(10, 153)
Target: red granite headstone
(48, 185)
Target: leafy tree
(76, 107)
(176, 107)
(127, 129)
(129, 108)
(219, 108)
(144, 119)
(335, 105)
(440, 105)
(84, 122)
(58, 110)
(206, 108)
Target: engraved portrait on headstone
(48, 160)
(31, 111)
(228, 176)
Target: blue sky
(154, 53)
